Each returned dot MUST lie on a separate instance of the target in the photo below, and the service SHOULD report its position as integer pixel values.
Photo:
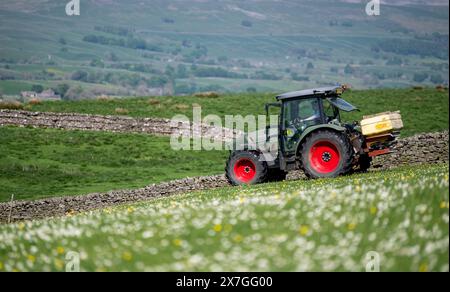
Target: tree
(246, 23)
(111, 56)
(74, 93)
(170, 71)
(80, 75)
(37, 88)
(182, 71)
(347, 23)
(349, 69)
(168, 20)
(62, 41)
(310, 66)
(334, 70)
(223, 59)
(62, 89)
(420, 77)
(437, 79)
(97, 63)
(297, 77)
(157, 81)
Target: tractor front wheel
(326, 154)
(245, 167)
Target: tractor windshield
(342, 104)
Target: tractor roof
(325, 91)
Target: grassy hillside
(320, 225)
(423, 110)
(36, 163)
(133, 47)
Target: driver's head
(315, 106)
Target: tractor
(311, 137)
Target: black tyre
(364, 162)
(244, 167)
(276, 174)
(326, 153)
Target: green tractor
(310, 137)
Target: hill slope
(143, 47)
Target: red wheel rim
(245, 170)
(324, 157)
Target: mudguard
(311, 129)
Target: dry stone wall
(75, 121)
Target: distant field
(423, 110)
(37, 163)
(272, 42)
(14, 87)
(316, 225)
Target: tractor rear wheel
(245, 167)
(326, 154)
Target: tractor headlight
(290, 132)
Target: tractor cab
(301, 110)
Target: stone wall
(30, 210)
(423, 148)
(75, 121)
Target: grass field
(37, 163)
(317, 225)
(423, 110)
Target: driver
(311, 112)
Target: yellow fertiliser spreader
(380, 131)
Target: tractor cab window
(342, 104)
(331, 112)
(301, 113)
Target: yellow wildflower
(127, 256)
(31, 258)
(303, 230)
(59, 264)
(238, 238)
(423, 268)
(218, 227)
